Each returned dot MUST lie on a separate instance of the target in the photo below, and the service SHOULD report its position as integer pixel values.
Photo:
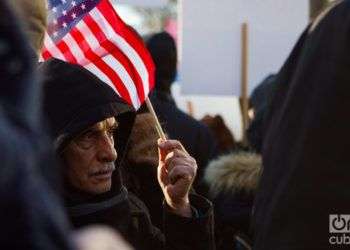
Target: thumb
(161, 152)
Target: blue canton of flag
(65, 14)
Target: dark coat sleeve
(178, 232)
(191, 233)
(306, 143)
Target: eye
(89, 135)
(87, 139)
(111, 131)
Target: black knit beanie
(75, 99)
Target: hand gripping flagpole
(159, 128)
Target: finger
(162, 153)
(170, 145)
(175, 154)
(179, 161)
(163, 176)
(184, 173)
(162, 172)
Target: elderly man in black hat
(91, 126)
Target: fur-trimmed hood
(234, 173)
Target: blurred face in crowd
(33, 14)
(90, 157)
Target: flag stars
(74, 16)
(54, 9)
(64, 1)
(83, 7)
(55, 34)
(64, 25)
(55, 22)
(74, 3)
(64, 13)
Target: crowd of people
(81, 169)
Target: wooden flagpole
(244, 81)
(159, 128)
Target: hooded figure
(76, 104)
(306, 147)
(140, 167)
(30, 212)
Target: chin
(102, 188)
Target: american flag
(90, 33)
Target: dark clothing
(306, 148)
(260, 101)
(69, 114)
(30, 212)
(194, 135)
(117, 208)
(263, 93)
(233, 180)
(130, 216)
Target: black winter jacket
(306, 145)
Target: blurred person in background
(140, 166)
(233, 181)
(34, 19)
(260, 102)
(226, 142)
(91, 126)
(194, 135)
(33, 216)
(306, 144)
(31, 213)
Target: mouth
(103, 175)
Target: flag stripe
(117, 53)
(63, 47)
(91, 34)
(51, 47)
(129, 35)
(96, 71)
(91, 39)
(111, 62)
(103, 66)
(75, 50)
(46, 54)
(128, 50)
(125, 77)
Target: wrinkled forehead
(106, 124)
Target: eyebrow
(114, 125)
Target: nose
(106, 151)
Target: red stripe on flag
(99, 63)
(133, 39)
(117, 54)
(46, 54)
(63, 47)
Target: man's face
(90, 157)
